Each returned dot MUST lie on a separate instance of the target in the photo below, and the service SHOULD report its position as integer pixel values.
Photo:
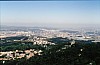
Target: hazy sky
(50, 13)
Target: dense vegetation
(69, 56)
(8, 44)
(80, 53)
(20, 46)
(59, 40)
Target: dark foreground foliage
(90, 55)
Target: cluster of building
(8, 55)
(42, 32)
(46, 33)
(4, 34)
(40, 38)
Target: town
(40, 37)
